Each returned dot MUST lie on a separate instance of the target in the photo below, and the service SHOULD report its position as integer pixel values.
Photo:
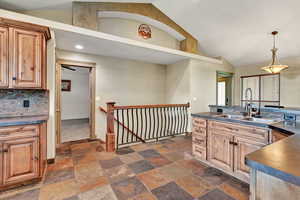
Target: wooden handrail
(123, 125)
(152, 106)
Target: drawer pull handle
(233, 143)
(4, 151)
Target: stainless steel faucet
(248, 105)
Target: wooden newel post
(110, 133)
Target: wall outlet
(26, 103)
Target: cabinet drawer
(259, 134)
(15, 132)
(199, 152)
(199, 140)
(199, 131)
(198, 122)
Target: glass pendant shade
(274, 66)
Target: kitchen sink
(230, 116)
(251, 119)
(260, 120)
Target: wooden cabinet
(242, 147)
(3, 57)
(224, 145)
(22, 155)
(26, 58)
(220, 150)
(20, 160)
(23, 64)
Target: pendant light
(274, 66)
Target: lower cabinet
(244, 146)
(20, 160)
(23, 152)
(220, 150)
(227, 146)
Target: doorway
(75, 101)
(224, 88)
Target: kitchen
(176, 111)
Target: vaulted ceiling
(235, 29)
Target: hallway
(155, 171)
(74, 129)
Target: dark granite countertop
(212, 116)
(23, 120)
(280, 159)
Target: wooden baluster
(110, 133)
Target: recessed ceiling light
(78, 46)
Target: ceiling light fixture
(78, 46)
(274, 66)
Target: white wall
(289, 80)
(129, 29)
(203, 84)
(194, 81)
(178, 82)
(51, 60)
(126, 82)
(75, 104)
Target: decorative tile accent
(174, 156)
(59, 175)
(216, 195)
(118, 173)
(159, 161)
(130, 158)
(128, 188)
(173, 171)
(144, 196)
(106, 164)
(85, 173)
(29, 195)
(125, 150)
(99, 193)
(153, 179)
(11, 102)
(72, 198)
(234, 192)
(94, 183)
(213, 176)
(171, 191)
(194, 186)
(60, 190)
(140, 166)
(149, 153)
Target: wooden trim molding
(92, 86)
(24, 25)
(85, 15)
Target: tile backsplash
(11, 102)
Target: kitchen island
(265, 154)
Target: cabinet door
(26, 58)
(244, 146)
(3, 57)
(20, 160)
(220, 149)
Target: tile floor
(155, 171)
(74, 129)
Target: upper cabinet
(23, 64)
(3, 57)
